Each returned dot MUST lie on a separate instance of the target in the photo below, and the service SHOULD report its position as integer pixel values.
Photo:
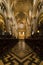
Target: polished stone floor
(20, 54)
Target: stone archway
(40, 19)
(21, 24)
(40, 23)
(2, 24)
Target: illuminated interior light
(38, 31)
(32, 32)
(23, 33)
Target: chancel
(21, 32)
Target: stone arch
(21, 20)
(40, 17)
(40, 21)
(2, 22)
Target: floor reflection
(21, 44)
(21, 49)
(20, 54)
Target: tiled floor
(20, 54)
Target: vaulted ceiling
(21, 5)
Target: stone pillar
(28, 28)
